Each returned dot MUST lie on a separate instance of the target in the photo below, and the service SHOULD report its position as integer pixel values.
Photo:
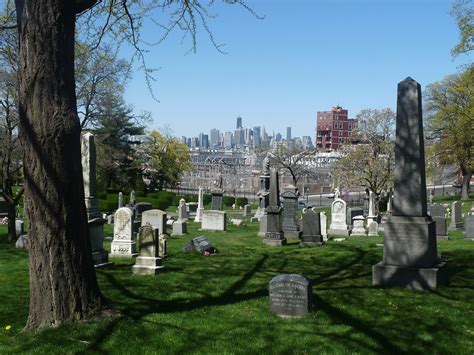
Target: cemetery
(119, 238)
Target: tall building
(239, 138)
(332, 128)
(215, 138)
(205, 141)
(239, 122)
(183, 140)
(228, 140)
(288, 133)
(278, 137)
(256, 137)
(307, 142)
(248, 136)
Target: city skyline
(304, 57)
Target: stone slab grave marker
(19, 230)
(201, 245)
(180, 227)
(214, 220)
(351, 213)
(263, 194)
(324, 223)
(469, 222)
(155, 218)
(410, 255)
(311, 234)
(200, 206)
(373, 229)
(95, 221)
(338, 217)
(358, 229)
(438, 215)
(247, 211)
(291, 229)
(274, 235)
(124, 243)
(456, 218)
(290, 295)
(149, 261)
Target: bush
(102, 195)
(241, 201)
(206, 199)
(228, 200)
(107, 206)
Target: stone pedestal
(96, 235)
(291, 229)
(149, 262)
(358, 229)
(216, 202)
(274, 234)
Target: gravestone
(371, 216)
(191, 208)
(214, 220)
(149, 261)
(351, 213)
(132, 199)
(95, 222)
(469, 223)
(216, 200)
(180, 227)
(324, 229)
(438, 215)
(373, 229)
(138, 209)
(201, 245)
(182, 210)
(124, 243)
(410, 255)
(263, 198)
(358, 229)
(19, 227)
(290, 295)
(120, 200)
(247, 211)
(155, 218)
(456, 218)
(338, 218)
(273, 232)
(200, 206)
(311, 234)
(291, 229)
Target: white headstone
(213, 220)
(200, 206)
(358, 228)
(182, 210)
(156, 219)
(324, 227)
(338, 218)
(123, 243)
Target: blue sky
(304, 57)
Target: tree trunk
(11, 222)
(63, 285)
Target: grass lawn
(219, 304)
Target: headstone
(438, 215)
(237, 222)
(149, 261)
(191, 208)
(338, 218)
(110, 219)
(180, 227)
(324, 229)
(291, 229)
(456, 218)
(373, 229)
(353, 212)
(132, 199)
(19, 227)
(201, 245)
(371, 213)
(182, 210)
(358, 229)
(263, 200)
(247, 211)
(214, 220)
(216, 200)
(124, 244)
(290, 295)
(274, 235)
(311, 234)
(410, 256)
(155, 218)
(469, 223)
(138, 209)
(95, 221)
(200, 207)
(120, 200)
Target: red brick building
(332, 128)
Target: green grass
(219, 304)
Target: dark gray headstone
(291, 229)
(469, 226)
(456, 217)
(435, 210)
(216, 202)
(274, 234)
(353, 212)
(290, 295)
(311, 222)
(202, 245)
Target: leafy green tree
(165, 158)
(370, 163)
(449, 112)
(118, 133)
(463, 12)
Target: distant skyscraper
(239, 138)
(256, 137)
(248, 136)
(215, 138)
(194, 142)
(188, 142)
(278, 137)
(228, 140)
(288, 133)
(201, 135)
(239, 122)
(205, 141)
(307, 142)
(183, 140)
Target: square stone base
(274, 242)
(147, 265)
(414, 278)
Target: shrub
(241, 201)
(107, 206)
(102, 195)
(206, 199)
(228, 200)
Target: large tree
(369, 163)
(463, 12)
(449, 112)
(295, 161)
(63, 285)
